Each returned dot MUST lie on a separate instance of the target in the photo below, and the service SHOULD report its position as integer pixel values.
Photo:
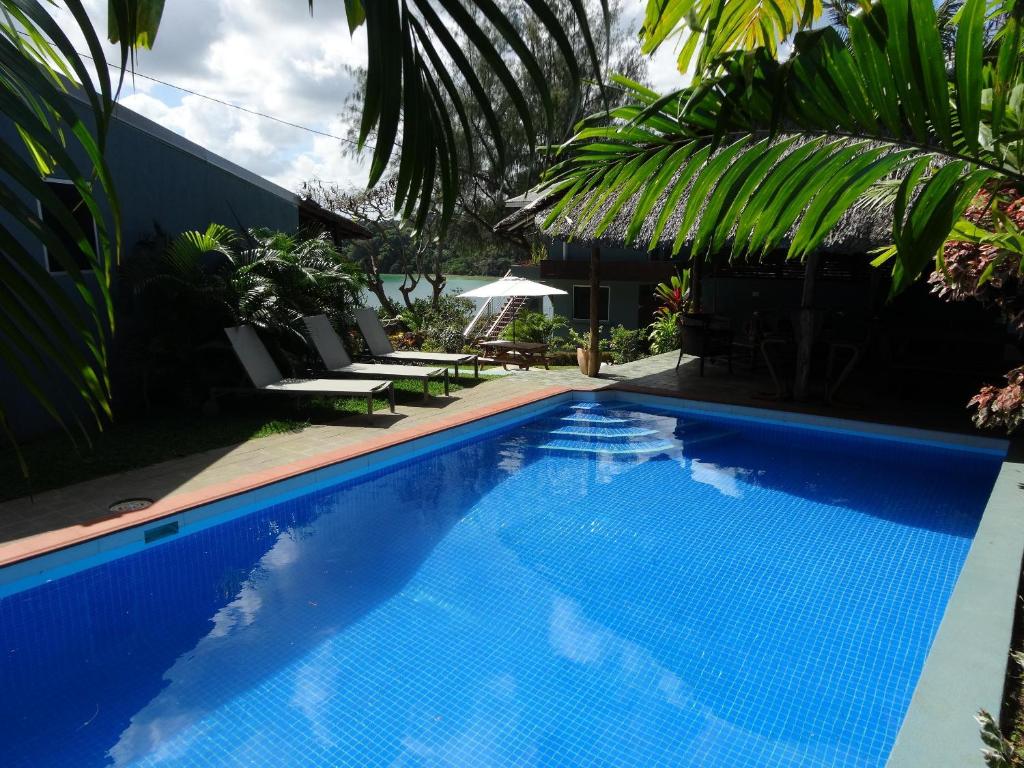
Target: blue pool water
(606, 585)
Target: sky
(269, 56)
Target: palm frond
(412, 101)
(705, 30)
(761, 154)
(61, 106)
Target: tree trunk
(595, 311)
(805, 328)
(376, 287)
(406, 289)
(376, 284)
(437, 284)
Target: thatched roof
(862, 228)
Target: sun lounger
(266, 377)
(380, 346)
(335, 357)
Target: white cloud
(274, 58)
(269, 57)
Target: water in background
(607, 585)
(455, 284)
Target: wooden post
(594, 356)
(805, 329)
(696, 283)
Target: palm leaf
(762, 154)
(413, 50)
(61, 106)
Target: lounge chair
(333, 353)
(380, 346)
(266, 376)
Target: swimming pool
(607, 584)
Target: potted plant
(582, 342)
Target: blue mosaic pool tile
(764, 597)
(591, 431)
(589, 417)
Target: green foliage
(664, 333)
(582, 340)
(726, 24)
(413, 62)
(748, 153)
(998, 751)
(439, 325)
(628, 345)
(535, 327)
(675, 294)
(47, 333)
(179, 295)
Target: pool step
(594, 418)
(587, 430)
(604, 447)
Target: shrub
(536, 327)
(1001, 407)
(627, 345)
(440, 325)
(582, 340)
(663, 333)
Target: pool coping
(964, 671)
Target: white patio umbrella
(510, 286)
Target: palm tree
(413, 59)
(757, 152)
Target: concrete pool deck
(965, 670)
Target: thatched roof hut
(863, 227)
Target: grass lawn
(54, 462)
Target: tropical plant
(46, 330)
(439, 324)
(179, 298)
(628, 345)
(582, 340)
(711, 29)
(1001, 407)
(675, 294)
(772, 153)
(413, 55)
(998, 752)
(535, 327)
(984, 259)
(411, 47)
(664, 334)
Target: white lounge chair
(335, 356)
(380, 346)
(266, 376)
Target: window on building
(68, 194)
(581, 303)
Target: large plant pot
(583, 360)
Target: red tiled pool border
(39, 544)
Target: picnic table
(520, 353)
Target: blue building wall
(160, 178)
